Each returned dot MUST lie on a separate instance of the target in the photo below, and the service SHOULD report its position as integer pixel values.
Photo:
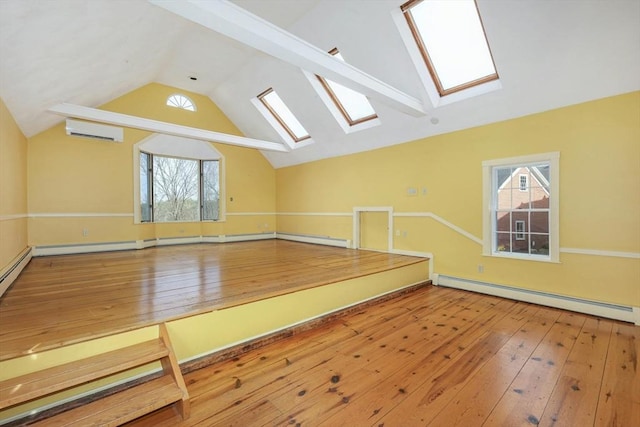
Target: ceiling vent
(94, 131)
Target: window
(283, 116)
(174, 189)
(524, 182)
(521, 220)
(452, 43)
(520, 229)
(181, 101)
(354, 106)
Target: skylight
(283, 115)
(181, 101)
(452, 42)
(354, 106)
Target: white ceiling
(549, 54)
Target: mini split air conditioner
(94, 130)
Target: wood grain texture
(60, 300)
(436, 357)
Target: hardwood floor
(436, 356)
(59, 300)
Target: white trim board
(356, 224)
(318, 240)
(12, 217)
(611, 311)
(142, 244)
(579, 251)
(9, 274)
(441, 221)
(597, 252)
(80, 215)
(350, 214)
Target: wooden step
(42, 383)
(121, 407)
(118, 408)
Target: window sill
(536, 258)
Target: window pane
(452, 34)
(540, 222)
(210, 190)
(503, 242)
(283, 115)
(540, 244)
(355, 107)
(520, 245)
(355, 104)
(145, 187)
(175, 189)
(503, 221)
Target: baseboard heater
(596, 308)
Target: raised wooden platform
(60, 300)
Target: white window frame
(489, 205)
(176, 146)
(278, 126)
(332, 103)
(432, 94)
(183, 102)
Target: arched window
(181, 101)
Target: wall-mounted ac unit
(94, 130)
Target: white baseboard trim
(9, 274)
(142, 244)
(595, 308)
(246, 237)
(83, 248)
(318, 240)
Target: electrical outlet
(480, 268)
(85, 232)
(398, 233)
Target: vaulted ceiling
(549, 54)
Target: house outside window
(521, 220)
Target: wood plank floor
(59, 300)
(436, 356)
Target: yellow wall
(77, 184)
(599, 145)
(13, 190)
